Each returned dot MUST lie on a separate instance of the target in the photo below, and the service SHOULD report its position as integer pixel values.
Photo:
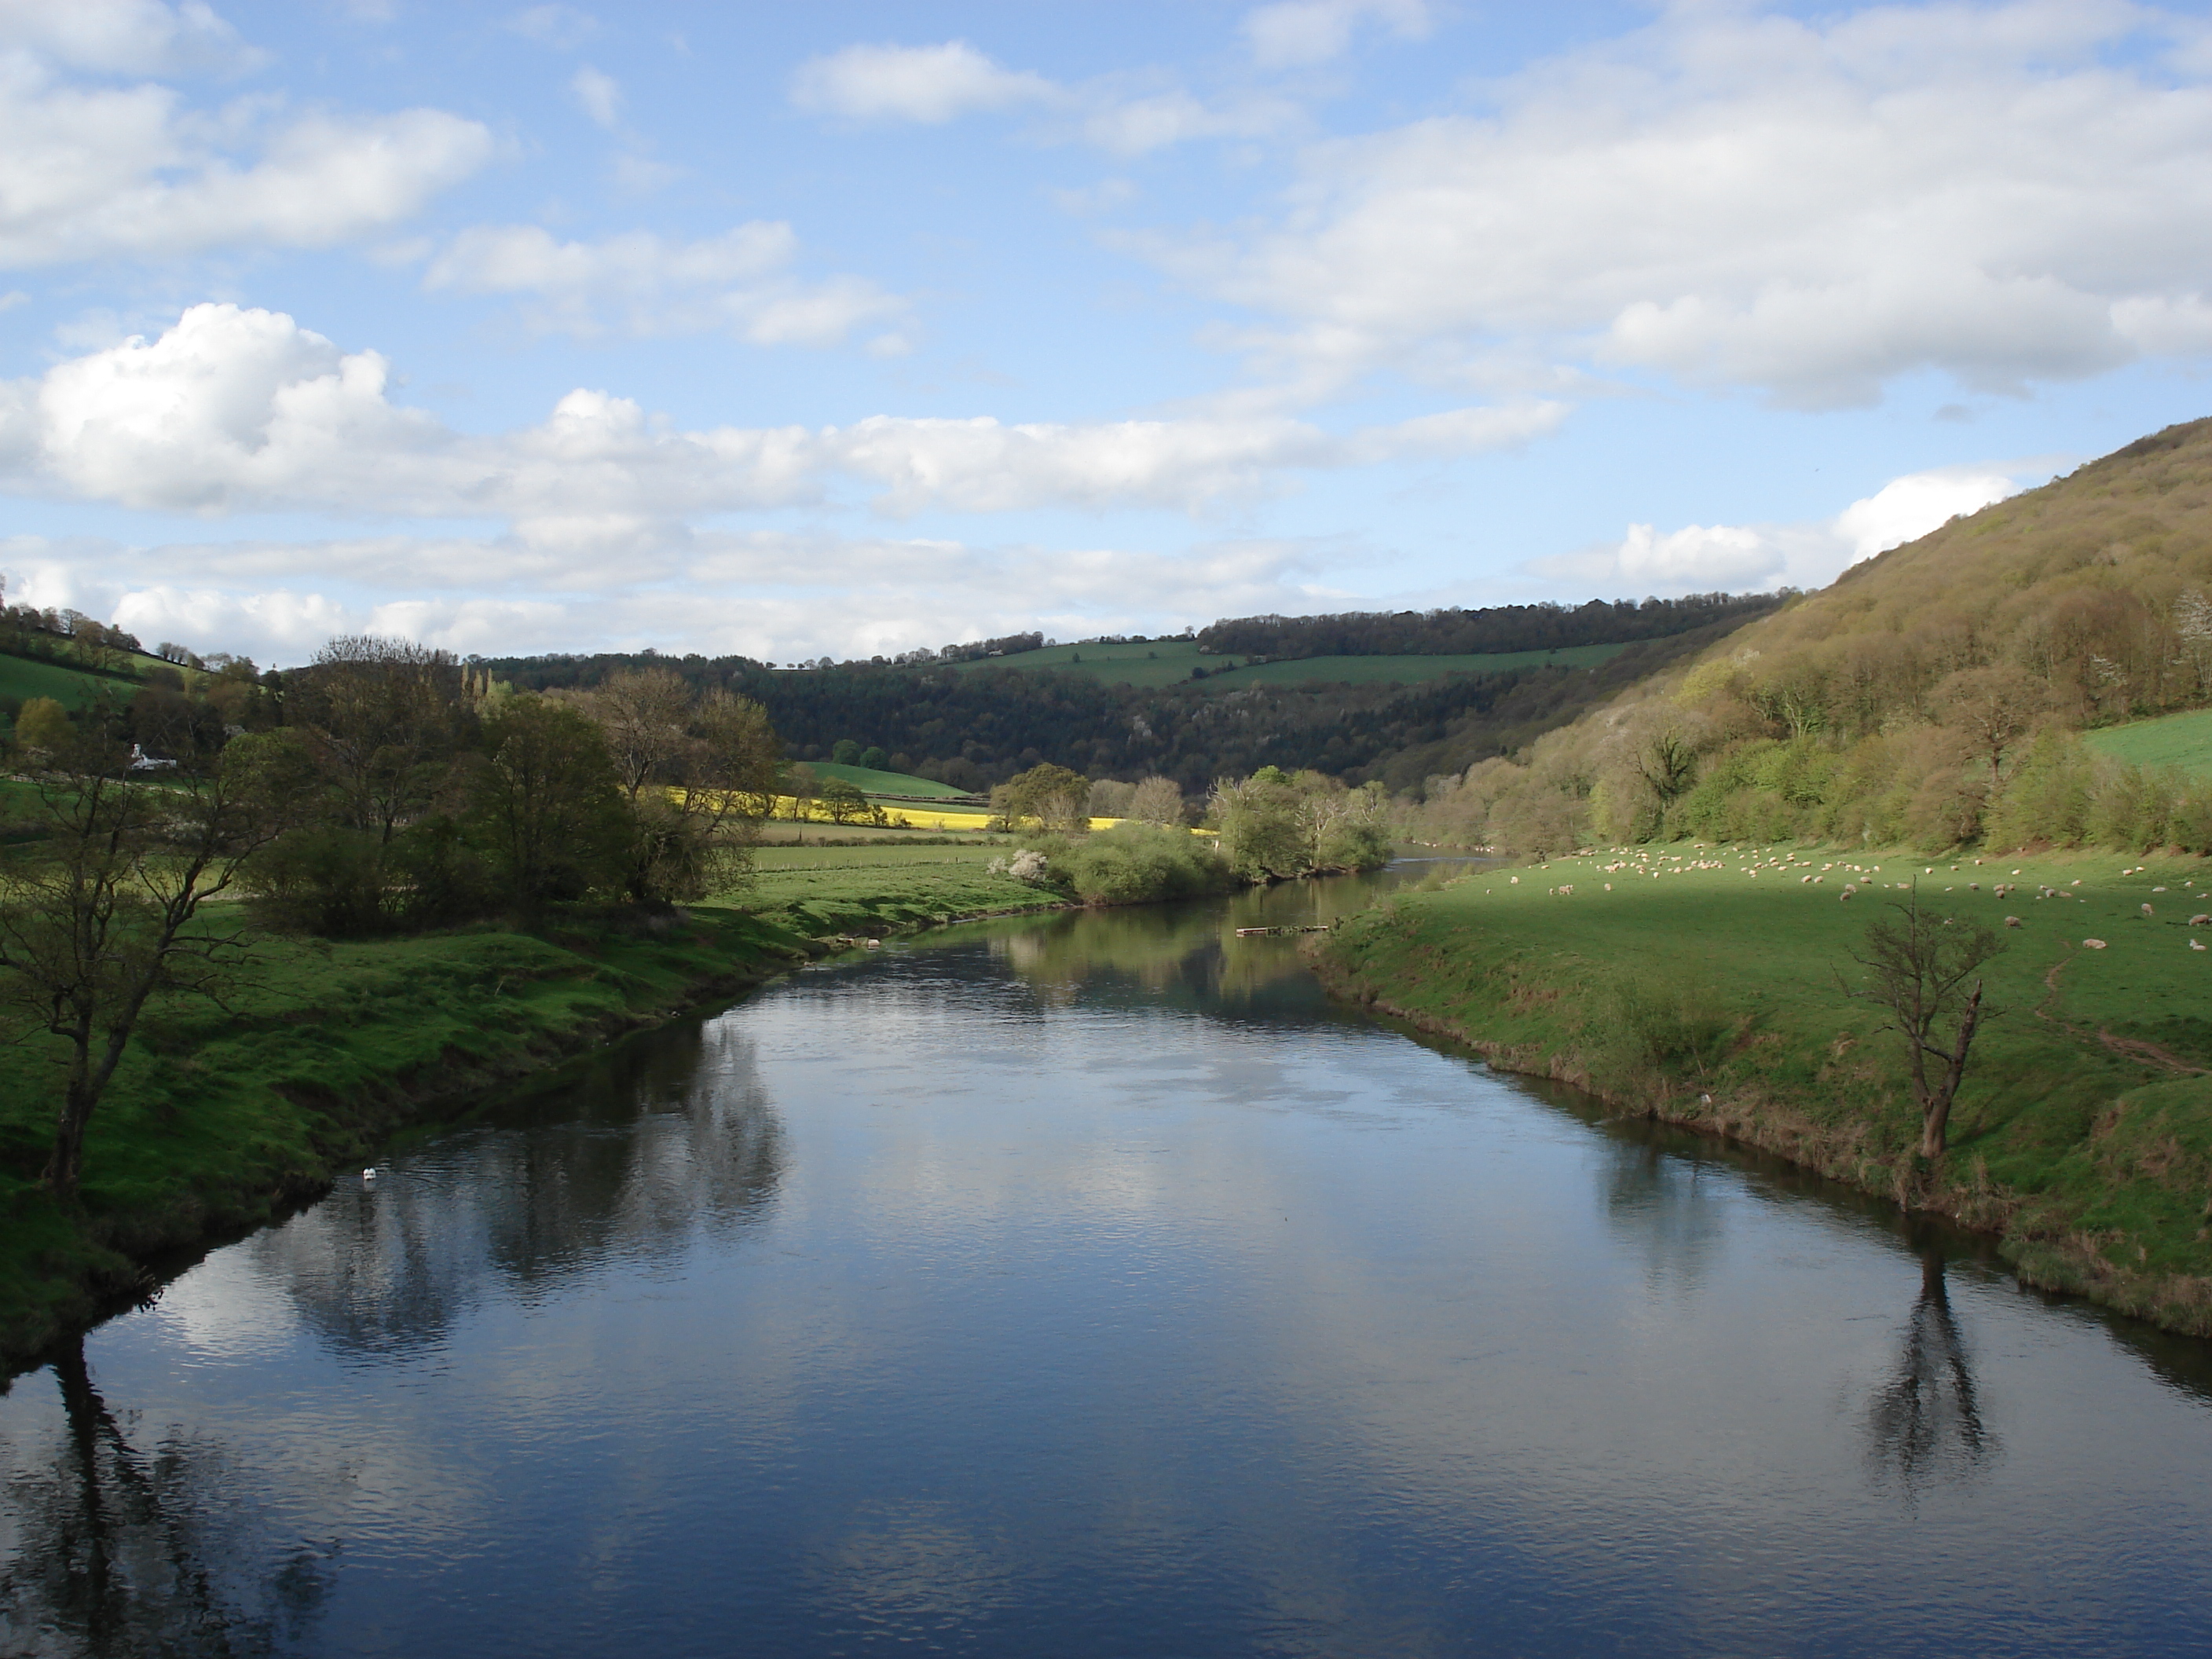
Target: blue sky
(847, 329)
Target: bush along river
(1092, 1284)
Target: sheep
(2147, 910)
(1850, 892)
(2012, 922)
(2092, 945)
(2201, 920)
(2196, 944)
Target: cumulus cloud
(126, 37)
(1700, 558)
(239, 409)
(1295, 33)
(1812, 208)
(929, 84)
(92, 172)
(643, 284)
(774, 595)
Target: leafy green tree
(845, 753)
(843, 801)
(874, 759)
(1056, 798)
(547, 806)
(98, 902)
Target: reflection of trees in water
(116, 1552)
(1924, 1424)
(1663, 1205)
(660, 1139)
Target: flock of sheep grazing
(1755, 861)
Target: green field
(874, 889)
(2083, 1133)
(2182, 740)
(1169, 662)
(24, 678)
(870, 781)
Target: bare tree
(381, 716)
(1157, 800)
(98, 902)
(1995, 707)
(1921, 965)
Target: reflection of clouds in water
(226, 1308)
(914, 1566)
(1667, 1207)
(658, 1144)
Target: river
(1091, 1284)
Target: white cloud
(930, 84)
(599, 95)
(236, 409)
(1298, 32)
(773, 595)
(87, 173)
(564, 28)
(642, 284)
(1700, 558)
(126, 37)
(2001, 193)
(935, 84)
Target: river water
(1091, 1284)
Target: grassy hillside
(1933, 693)
(24, 677)
(2182, 740)
(870, 781)
(1167, 662)
(1707, 985)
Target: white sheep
(2092, 945)
(2012, 922)
(2200, 921)
(1850, 891)
(2147, 910)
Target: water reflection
(1663, 1203)
(115, 1550)
(1924, 1425)
(658, 1143)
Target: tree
(1921, 965)
(843, 801)
(1995, 707)
(42, 727)
(1059, 798)
(547, 808)
(1261, 835)
(383, 718)
(97, 905)
(1157, 800)
(874, 759)
(845, 753)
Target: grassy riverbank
(221, 1118)
(1676, 982)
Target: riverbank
(222, 1119)
(1706, 986)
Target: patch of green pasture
(871, 781)
(24, 678)
(1512, 958)
(851, 890)
(2182, 740)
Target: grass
(1168, 662)
(220, 1118)
(2182, 740)
(870, 781)
(2083, 1133)
(24, 678)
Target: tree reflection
(660, 1141)
(1924, 1424)
(1659, 1201)
(115, 1551)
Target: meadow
(1710, 986)
(2178, 740)
(1158, 663)
(24, 678)
(870, 781)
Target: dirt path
(2134, 1049)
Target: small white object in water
(369, 1174)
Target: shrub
(1140, 864)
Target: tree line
(1545, 627)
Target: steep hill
(1935, 692)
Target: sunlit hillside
(1935, 692)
